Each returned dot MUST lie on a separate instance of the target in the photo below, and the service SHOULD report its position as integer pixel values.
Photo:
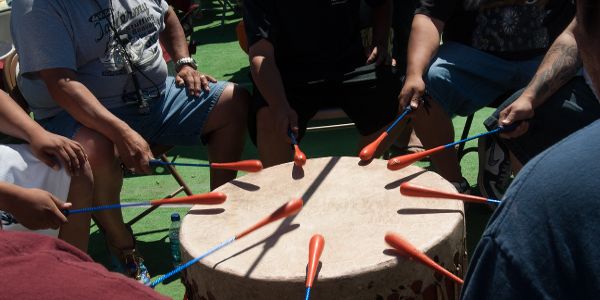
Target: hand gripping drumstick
(409, 189)
(299, 156)
(315, 248)
(403, 161)
(207, 199)
(404, 246)
(250, 166)
(288, 209)
(367, 152)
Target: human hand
(412, 92)
(38, 209)
(520, 110)
(49, 147)
(193, 80)
(286, 119)
(134, 151)
(378, 55)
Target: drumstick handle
(67, 212)
(191, 262)
(406, 111)
(307, 293)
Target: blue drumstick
(251, 165)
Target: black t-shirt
(312, 39)
(511, 29)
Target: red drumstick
(288, 209)
(409, 189)
(315, 248)
(250, 166)
(369, 150)
(407, 248)
(207, 199)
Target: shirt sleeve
(259, 20)
(41, 37)
(439, 9)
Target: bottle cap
(175, 217)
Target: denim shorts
(463, 80)
(571, 108)
(175, 117)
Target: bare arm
(173, 39)
(423, 44)
(15, 122)
(561, 63)
(382, 16)
(268, 80)
(76, 99)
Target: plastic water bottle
(174, 238)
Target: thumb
(58, 206)
(179, 81)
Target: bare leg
(434, 128)
(77, 231)
(226, 129)
(108, 180)
(272, 150)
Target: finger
(517, 132)
(144, 162)
(179, 81)
(372, 56)
(81, 156)
(74, 160)
(204, 84)
(211, 79)
(65, 160)
(190, 83)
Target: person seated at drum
(540, 243)
(489, 48)
(557, 102)
(36, 178)
(93, 71)
(305, 56)
(34, 266)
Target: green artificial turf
(219, 55)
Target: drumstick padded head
(288, 209)
(315, 248)
(403, 161)
(409, 189)
(369, 150)
(299, 156)
(207, 199)
(402, 245)
(250, 166)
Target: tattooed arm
(561, 63)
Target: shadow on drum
(270, 243)
(421, 211)
(363, 163)
(273, 237)
(207, 211)
(245, 185)
(297, 172)
(396, 184)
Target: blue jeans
(175, 117)
(462, 79)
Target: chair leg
(183, 187)
(464, 135)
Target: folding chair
(10, 73)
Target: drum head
(352, 206)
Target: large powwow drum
(353, 207)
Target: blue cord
(307, 293)
(67, 212)
(406, 111)
(494, 201)
(191, 262)
(160, 162)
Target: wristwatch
(190, 61)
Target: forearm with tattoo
(560, 64)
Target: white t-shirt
(78, 35)
(19, 167)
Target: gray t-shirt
(77, 34)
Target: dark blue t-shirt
(543, 242)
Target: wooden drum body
(353, 207)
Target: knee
(100, 151)
(237, 99)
